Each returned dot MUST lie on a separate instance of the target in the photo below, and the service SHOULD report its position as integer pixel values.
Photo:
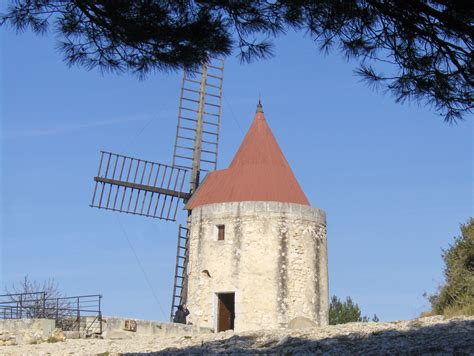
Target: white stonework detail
(274, 258)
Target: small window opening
(220, 232)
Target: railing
(23, 305)
(79, 313)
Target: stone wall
(25, 331)
(114, 328)
(35, 331)
(273, 257)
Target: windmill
(140, 187)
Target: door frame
(215, 305)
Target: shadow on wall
(456, 337)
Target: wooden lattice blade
(140, 187)
(180, 282)
(201, 95)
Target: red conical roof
(258, 172)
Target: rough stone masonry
(273, 257)
(257, 249)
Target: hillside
(433, 335)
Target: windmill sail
(197, 133)
(196, 145)
(180, 269)
(155, 190)
(139, 187)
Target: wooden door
(225, 311)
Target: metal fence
(80, 313)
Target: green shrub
(346, 312)
(456, 295)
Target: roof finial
(259, 105)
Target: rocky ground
(432, 336)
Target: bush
(456, 295)
(346, 312)
(52, 304)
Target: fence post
(44, 305)
(100, 317)
(21, 305)
(78, 316)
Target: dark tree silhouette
(346, 312)
(427, 45)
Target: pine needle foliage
(417, 50)
(456, 295)
(346, 312)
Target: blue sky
(394, 180)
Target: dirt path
(433, 335)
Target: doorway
(225, 311)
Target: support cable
(233, 115)
(141, 267)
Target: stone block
(300, 322)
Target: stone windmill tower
(257, 249)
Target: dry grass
(459, 310)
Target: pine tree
(426, 47)
(456, 295)
(346, 312)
